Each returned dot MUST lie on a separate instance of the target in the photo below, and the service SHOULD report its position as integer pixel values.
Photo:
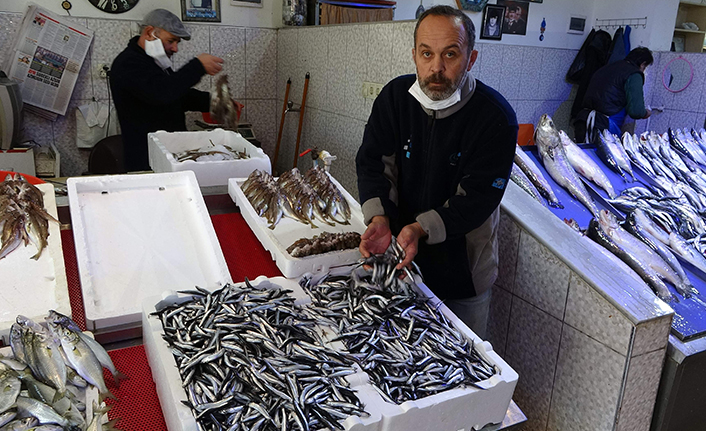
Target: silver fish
(556, 163)
(536, 177)
(44, 413)
(519, 178)
(585, 166)
(21, 424)
(10, 387)
(689, 253)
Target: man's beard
(449, 88)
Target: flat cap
(162, 18)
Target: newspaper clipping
(46, 58)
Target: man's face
(169, 41)
(440, 56)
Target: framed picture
(248, 3)
(201, 10)
(492, 25)
(471, 5)
(537, 1)
(577, 24)
(516, 13)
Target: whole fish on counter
(611, 151)
(554, 158)
(687, 251)
(585, 166)
(606, 231)
(23, 218)
(519, 178)
(536, 177)
(634, 151)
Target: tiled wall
(583, 365)
(684, 109)
(250, 60)
(340, 58)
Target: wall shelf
(693, 40)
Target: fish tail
(119, 377)
(106, 394)
(58, 395)
(110, 425)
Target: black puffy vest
(606, 92)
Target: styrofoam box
(459, 409)
(138, 235)
(42, 280)
(87, 396)
(162, 144)
(288, 230)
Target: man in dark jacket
(614, 92)
(148, 94)
(434, 162)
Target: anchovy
(519, 178)
(536, 177)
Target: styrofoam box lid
(287, 231)
(138, 235)
(43, 280)
(162, 145)
(456, 409)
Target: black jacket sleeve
(196, 100)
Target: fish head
(29, 422)
(546, 135)
(27, 323)
(16, 332)
(607, 220)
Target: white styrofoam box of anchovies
(86, 395)
(43, 280)
(165, 373)
(162, 145)
(288, 230)
(138, 235)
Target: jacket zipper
(427, 162)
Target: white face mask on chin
(155, 49)
(435, 105)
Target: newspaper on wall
(46, 58)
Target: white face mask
(436, 105)
(155, 49)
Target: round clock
(114, 6)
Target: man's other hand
(211, 63)
(408, 239)
(376, 238)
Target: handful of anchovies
(408, 348)
(23, 218)
(41, 383)
(250, 359)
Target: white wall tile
(336, 71)
(499, 319)
(379, 53)
(74, 161)
(110, 39)
(587, 384)
(287, 64)
(508, 245)
(589, 312)
(260, 63)
(640, 393)
(511, 74)
(541, 279)
(313, 53)
(356, 70)
(262, 114)
(9, 25)
(402, 44)
(532, 69)
(228, 43)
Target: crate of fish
(31, 256)
(307, 221)
(363, 352)
(137, 235)
(53, 375)
(214, 156)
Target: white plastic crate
(138, 235)
(287, 231)
(42, 280)
(460, 409)
(162, 145)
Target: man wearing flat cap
(148, 94)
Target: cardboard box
(18, 160)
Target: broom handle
(301, 118)
(281, 125)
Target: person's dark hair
(514, 8)
(454, 13)
(640, 55)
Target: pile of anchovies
(250, 359)
(408, 348)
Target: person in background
(433, 165)
(614, 92)
(149, 95)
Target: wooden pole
(301, 119)
(281, 125)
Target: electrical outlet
(371, 90)
(102, 70)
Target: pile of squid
(407, 346)
(250, 359)
(324, 243)
(309, 198)
(23, 218)
(45, 380)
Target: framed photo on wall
(471, 5)
(201, 10)
(516, 13)
(492, 24)
(537, 1)
(249, 3)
